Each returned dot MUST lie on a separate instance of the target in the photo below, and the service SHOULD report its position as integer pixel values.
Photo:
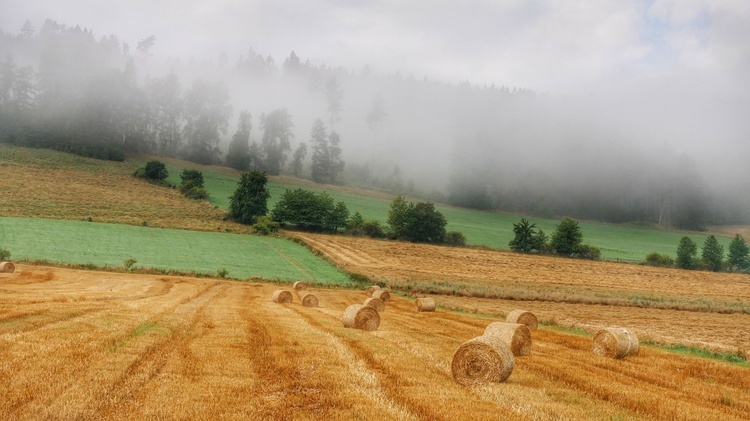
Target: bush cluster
(309, 211)
(192, 185)
(567, 240)
(154, 171)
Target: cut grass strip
(243, 256)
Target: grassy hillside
(50, 184)
(494, 229)
(243, 256)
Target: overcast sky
(547, 46)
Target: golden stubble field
(704, 309)
(99, 345)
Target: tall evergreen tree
(739, 253)
(207, 112)
(320, 152)
(712, 253)
(299, 156)
(238, 155)
(275, 144)
(687, 251)
(250, 199)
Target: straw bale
(7, 267)
(515, 335)
(523, 317)
(362, 317)
(300, 286)
(309, 300)
(372, 289)
(615, 342)
(375, 303)
(484, 359)
(425, 304)
(282, 296)
(382, 294)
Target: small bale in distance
(484, 359)
(523, 317)
(515, 335)
(614, 342)
(372, 289)
(300, 286)
(361, 317)
(375, 303)
(309, 300)
(282, 296)
(7, 267)
(425, 304)
(382, 294)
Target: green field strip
(243, 256)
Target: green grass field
(243, 256)
(493, 229)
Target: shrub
(418, 223)
(687, 251)
(192, 184)
(659, 260)
(4, 254)
(455, 238)
(587, 251)
(567, 238)
(154, 171)
(307, 210)
(373, 229)
(264, 225)
(223, 272)
(128, 263)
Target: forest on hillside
(485, 147)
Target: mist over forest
(653, 159)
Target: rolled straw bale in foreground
(523, 317)
(615, 342)
(515, 335)
(425, 304)
(382, 294)
(282, 296)
(7, 267)
(299, 286)
(362, 317)
(375, 303)
(372, 289)
(309, 300)
(484, 359)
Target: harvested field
(98, 345)
(670, 306)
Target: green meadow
(493, 229)
(243, 256)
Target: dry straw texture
(515, 335)
(309, 300)
(7, 267)
(372, 289)
(382, 294)
(300, 286)
(362, 317)
(375, 303)
(523, 317)
(282, 296)
(615, 342)
(484, 359)
(425, 304)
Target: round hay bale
(375, 303)
(382, 294)
(425, 304)
(362, 317)
(523, 317)
(616, 342)
(515, 335)
(282, 296)
(300, 286)
(372, 289)
(7, 267)
(309, 300)
(484, 359)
